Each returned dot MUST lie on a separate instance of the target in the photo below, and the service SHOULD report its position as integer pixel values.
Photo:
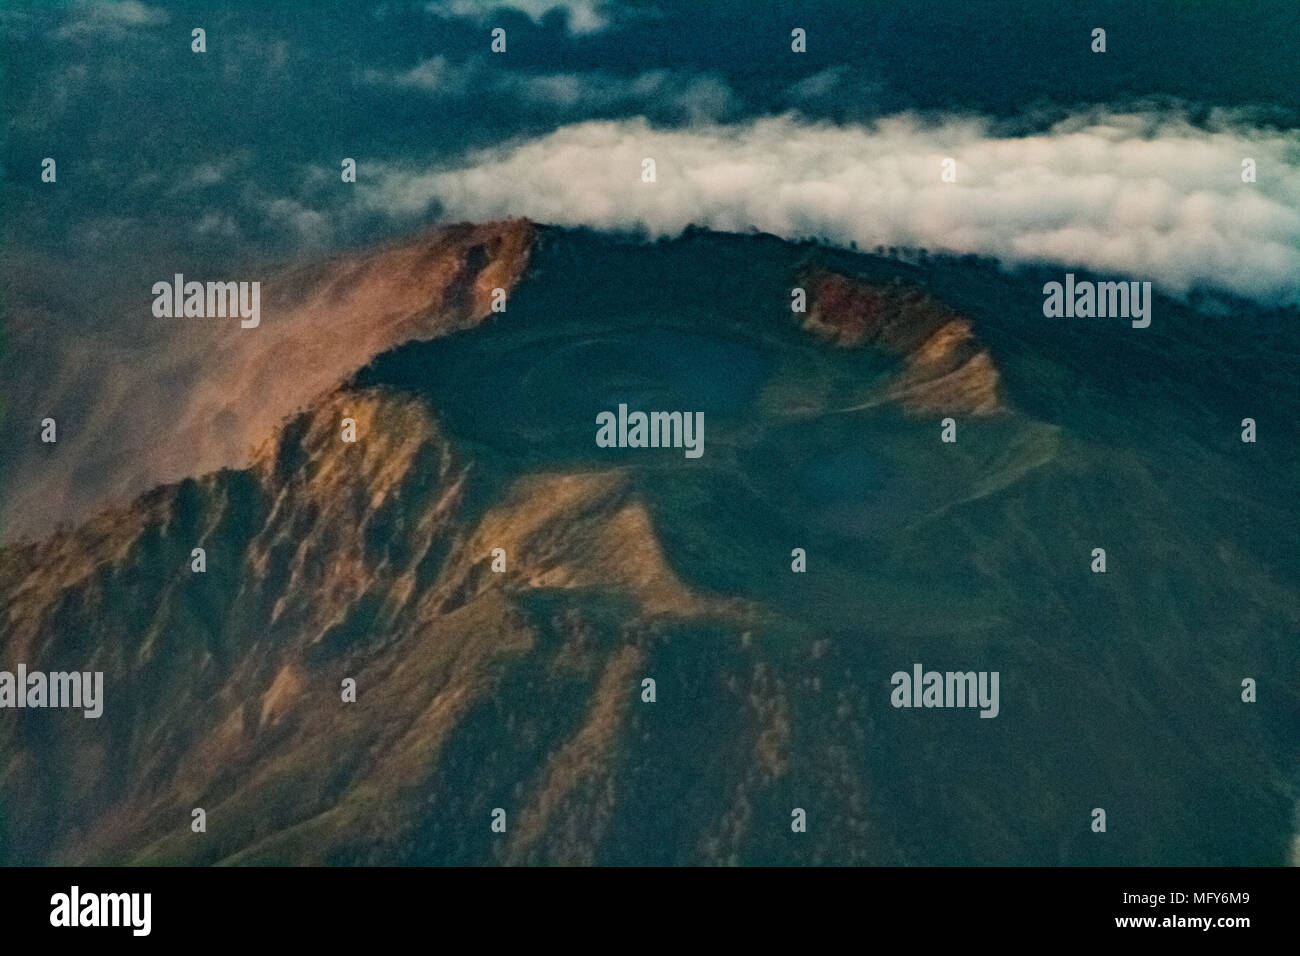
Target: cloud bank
(1147, 195)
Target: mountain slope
(522, 689)
(201, 393)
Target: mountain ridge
(522, 689)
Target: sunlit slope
(522, 689)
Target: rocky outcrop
(945, 368)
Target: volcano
(642, 657)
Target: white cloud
(208, 174)
(680, 96)
(217, 171)
(1141, 194)
(110, 17)
(843, 86)
(435, 75)
(308, 226)
(128, 12)
(217, 224)
(584, 16)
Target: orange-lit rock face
(946, 369)
(323, 322)
(206, 392)
(415, 289)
